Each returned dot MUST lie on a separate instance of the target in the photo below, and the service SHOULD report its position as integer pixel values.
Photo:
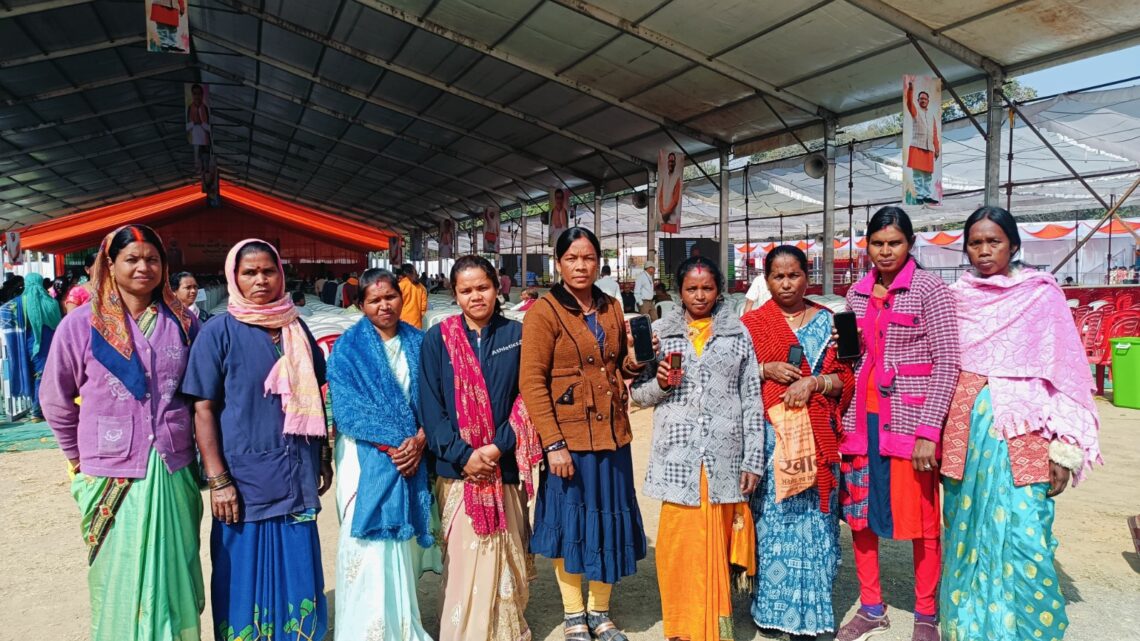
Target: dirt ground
(44, 589)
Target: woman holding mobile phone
(707, 454)
(575, 357)
(1023, 422)
(903, 384)
(797, 531)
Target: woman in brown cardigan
(574, 359)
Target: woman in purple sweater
(130, 443)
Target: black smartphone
(642, 332)
(848, 347)
(796, 355)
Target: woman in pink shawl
(1022, 423)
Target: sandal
(603, 628)
(574, 628)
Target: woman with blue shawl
(41, 315)
(382, 495)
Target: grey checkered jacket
(715, 417)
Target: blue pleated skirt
(591, 521)
(268, 579)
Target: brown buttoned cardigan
(573, 390)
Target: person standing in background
(608, 285)
(758, 293)
(643, 292)
(414, 296)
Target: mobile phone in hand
(848, 343)
(675, 369)
(796, 355)
(642, 338)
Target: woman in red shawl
(797, 522)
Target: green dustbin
(1126, 372)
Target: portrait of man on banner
(670, 182)
(559, 213)
(12, 246)
(417, 244)
(446, 238)
(396, 251)
(922, 140)
(167, 26)
(491, 230)
(198, 132)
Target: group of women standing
(763, 440)
(981, 387)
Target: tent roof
(87, 229)
(406, 111)
(1097, 132)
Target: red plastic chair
(1125, 323)
(1093, 327)
(1079, 314)
(1123, 301)
(326, 343)
(1120, 324)
(1093, 330)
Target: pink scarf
(483, 500)
(293, 376)
(1016, 330)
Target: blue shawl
(369, 405)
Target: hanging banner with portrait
(558, 213)
(491, 230)
(670, 183)
(167, 26)
(396, 251)
(922, 140)
(417, 244)
(12, 246)
(446, 238)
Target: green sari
(145, 581)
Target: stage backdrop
(198, 242)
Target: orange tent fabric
(1051, 231)
(943, 239)
(86, 229)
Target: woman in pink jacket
(904, 381)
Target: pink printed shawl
(483, 501)
(1016, 330)
(293, 376)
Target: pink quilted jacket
(918, 366)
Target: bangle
(762, 370)
(218, 482)
(554, 447)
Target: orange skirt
(697, 548)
